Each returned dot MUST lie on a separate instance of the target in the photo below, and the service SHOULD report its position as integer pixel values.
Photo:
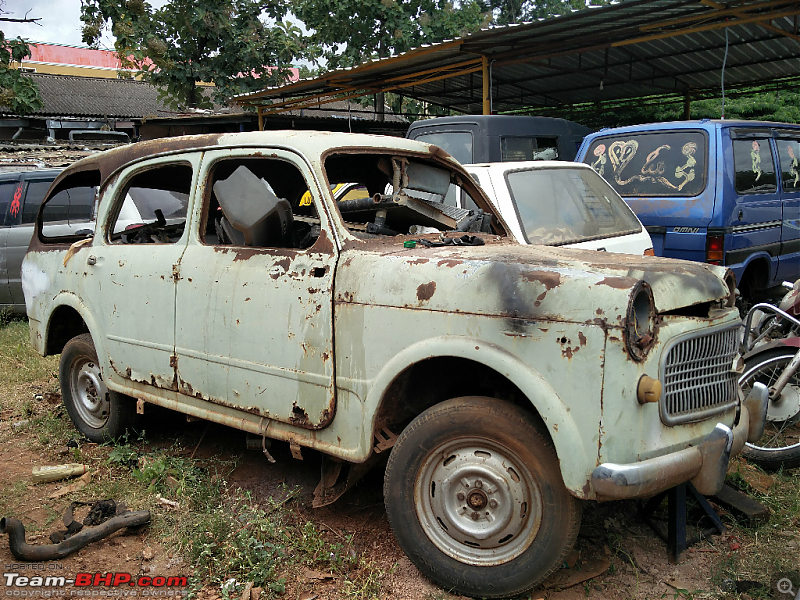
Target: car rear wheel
(98, 413)
(475, 497)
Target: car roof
(312, 143)
(29, 174)
(529, 164)
(697, 124)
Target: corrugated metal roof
(631, 49)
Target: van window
(528, 148)
(456, 144)
(754, 167)
(789, 154)
(672, 163)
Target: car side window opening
(754, 167)
(407, 196)
(154, 207)
(259, 202)
(789, 155)
(34, 195)
(72, 200)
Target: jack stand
(675, 538)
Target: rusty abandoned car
(507, 383)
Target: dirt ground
(614, 540)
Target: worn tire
(98, 413)
(776, 449)
(502, 520)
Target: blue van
(722, 192)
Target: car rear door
(8, 187)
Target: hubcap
(477, 502)
(89, 392)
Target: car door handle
(91, 260)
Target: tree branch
(24, 19)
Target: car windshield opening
(399, 195)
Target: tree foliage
(506, 12)
(349, 32)
(224, 42)
(17, 92)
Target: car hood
(506, 279)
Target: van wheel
(99, 414)
(475, 498)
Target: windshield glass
(564, 206)
(671, 163)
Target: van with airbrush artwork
(715, 191)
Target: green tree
(520, 11)
(17, 92)
(224, 42)
(350, 32)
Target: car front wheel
(98, 413)
(475, 498)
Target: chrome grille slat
(697, 377)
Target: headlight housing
(640, 332)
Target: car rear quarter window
(528, 148)
(671, 163)
(7, 189)
(754, 167)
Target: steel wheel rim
(477, 501)
(777, 432)
(89, 392)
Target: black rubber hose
(24, 551)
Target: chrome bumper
(704, 465)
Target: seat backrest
(250, 207)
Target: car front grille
(698, 377)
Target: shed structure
(657, 49)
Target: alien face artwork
(599, 165)
(755, 155)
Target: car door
(788, 144)
(254, 323)
(21, 231)
(130, 272)
(8, 188)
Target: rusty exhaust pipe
(24, 551)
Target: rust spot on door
(425, 291)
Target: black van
(499, 138)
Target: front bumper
(705, 465)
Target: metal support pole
(260, 118)
(487, 86)
(687, 107)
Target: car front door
(130, 271)
(254, 323)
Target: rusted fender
(569, 437)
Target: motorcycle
(771, 352)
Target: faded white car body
(315, 346)
(493, 179)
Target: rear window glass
(565, 206)
(754, 167)
(652, 164)
(456, 144)
(528, 148)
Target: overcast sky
(60, 21)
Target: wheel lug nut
(478, 484)
(460, 496)
(475, 516)
(492, 503)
